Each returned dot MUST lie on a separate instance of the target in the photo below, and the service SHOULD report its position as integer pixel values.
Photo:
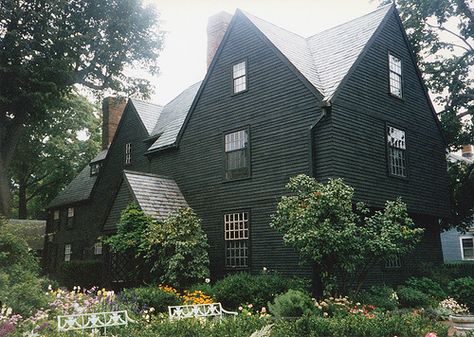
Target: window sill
(236, 179)
(239, 93)
(396, 97)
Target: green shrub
(293, 303)
(85, 273)
(427, 286)
(462, 290)
(382, 297)
(243, 288)
(412, 298)
(147, 297)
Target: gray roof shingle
(325, 58)
(156, 195)
(149, 113)
(101, 156)
(172, 118)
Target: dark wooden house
(347, 102)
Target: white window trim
(462, 247)
(243, 76)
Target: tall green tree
(51, 152)
(49, 46)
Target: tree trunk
(22, 203)
(4, 190)
(317, 287)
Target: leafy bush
(427, 286)
(149, 297)
(293, 303)
(413, 298)
(21, 288)
(382, 297)
(86, 273)
(242, 288)
(462, 290)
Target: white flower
(50, 287)
(207, 280)
(264, 269)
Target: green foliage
(177, 249)
(428, 287)
(148, 297)
(462, 290)
(382, 297)
(413, 298)
(358, 325)
(21, 288)
(243, 288)
(461, 178)
(36, 170)
(293, 303)
(320, 222)
(84, 273)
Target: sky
(183, 59)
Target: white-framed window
(56, 215)
(467, 247)
(396, 144)
(98, 248)
(128, 153)
(395, 75)
(70, 216)
(237, 154)
(393, 262)
(239, 77)
(67, 252)
(236, 236)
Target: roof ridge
(147, 174)
(174, 99)
(346, 22)
(146, 102)
(271, 23)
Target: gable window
(396, 143)
(95, 168)
(237, 155)
(395, 74)
(236, 236)
(67, 252)
(467, 248)
(128, 153)
(98, 248)
(239, 77)
(70, 216)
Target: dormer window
(239, 77)
(128, 153)
(395, 74)
(95, 168)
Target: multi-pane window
(237, 154)
(70, 216)
(128, 153)
(467, 247)
(239, 77)
(95, 168)
(236, 235)
(396, 143)
(395, 67)
(56, 215)
(67, 252)
(98, 248)
(393, 262)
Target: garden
(171, 262)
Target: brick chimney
(467, 151)
(112, 109)
(216, 28)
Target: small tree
(321, 222)
(178, 249)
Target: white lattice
(96, 320)
(197, 310)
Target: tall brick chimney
(216, 28)
(467, 151)
(112, 109)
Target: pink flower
(431, 334)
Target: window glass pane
(468, 248)
(395, 64)
(56, 215)
(236, 140)
(70, 212)
(396, 152)
(98, 248)
(240, 84)
(67, 252)
(236, 235)
(239, 69)
(396, 138)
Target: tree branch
(452, 33)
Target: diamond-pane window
(239, 76)
(395, 70)
(236, 235)
(396, 142)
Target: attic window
(128, 153)
(396, 143)
(95, 168)
(395, 67)
(239, 76)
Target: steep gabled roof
(148, 113)
(101, 156)
(324, 59)
(172, 118)
(157, 196)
